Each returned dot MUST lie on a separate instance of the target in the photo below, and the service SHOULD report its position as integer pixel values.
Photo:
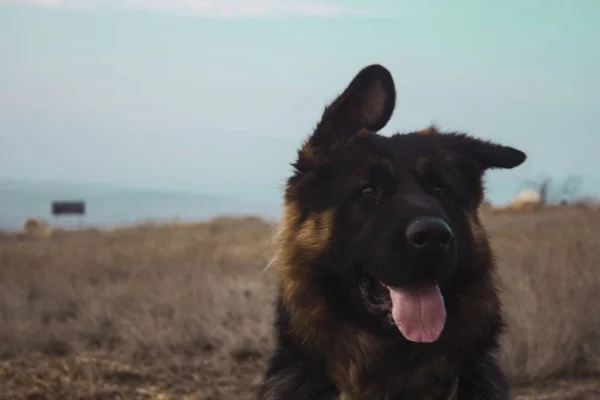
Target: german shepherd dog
(388, 287)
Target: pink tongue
(419, 314)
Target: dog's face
(393, 219)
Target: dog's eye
(369, 192)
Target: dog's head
(388, 224)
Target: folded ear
(367, 103)
(487, 154)
(493, 155)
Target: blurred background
(163, 109)
(165, 129)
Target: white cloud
(213, 8)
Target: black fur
(349, 204)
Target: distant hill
(113, 205)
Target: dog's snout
(429, 234)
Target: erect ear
(487, 154)
(366, 104)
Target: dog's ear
(366, 104)
(488, 155)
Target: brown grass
(184, 311)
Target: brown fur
(350, 350)
(354, 209)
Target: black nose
(432, 234)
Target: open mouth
(418, 312)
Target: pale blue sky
(216, 98)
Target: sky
(216, 96)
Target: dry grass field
(184, 311)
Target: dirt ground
(184, 311)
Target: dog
(387, 281)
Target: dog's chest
(450, 394)
(434, 380)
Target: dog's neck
(361, 378)
(361, 364)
